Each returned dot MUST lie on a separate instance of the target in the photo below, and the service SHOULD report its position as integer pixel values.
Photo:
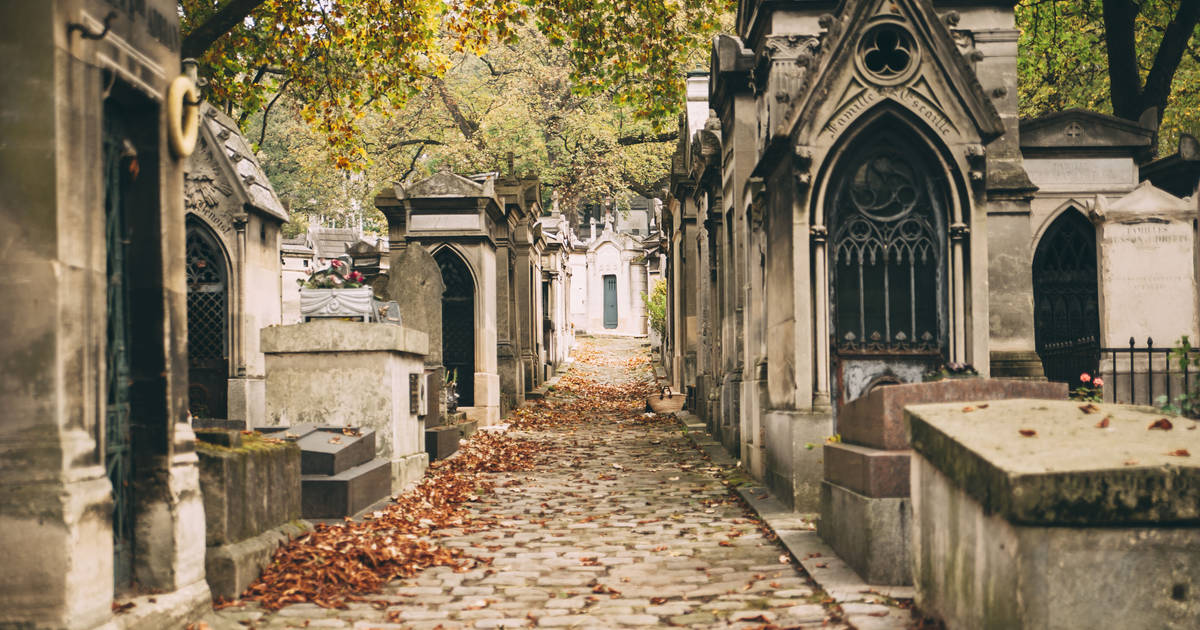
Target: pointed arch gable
(944, 82)
(1071, 205)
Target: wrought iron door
(1066, 313)
(886, 254)
(208, 327)
(458, 324)
(610, 301)
(119, 170)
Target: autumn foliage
(338, 563)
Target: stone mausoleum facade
(854, 201)
(99, 485)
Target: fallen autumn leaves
(337, 563)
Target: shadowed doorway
(458, 323)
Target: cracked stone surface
(624, 524)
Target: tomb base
(346, 493)
(1052, 514)
(869, 533)
(231, 568)
(978, 570)
(408, 470)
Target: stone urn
(356, 303)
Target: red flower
(1084, 378)
(335, 263)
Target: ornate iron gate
(208, 357)
(458, 323)
(886, 253)
(1065, 302)
(119, 171)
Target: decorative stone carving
(888, 54)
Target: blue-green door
(610, 301)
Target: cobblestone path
(624, 524)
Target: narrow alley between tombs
(603, 517)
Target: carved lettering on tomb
(204, 192)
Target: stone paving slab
(624, 524)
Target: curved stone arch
(466, 259)
(954, 222)
(893, 112)
(215, 233)
(1078, 205)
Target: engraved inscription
(857, 105)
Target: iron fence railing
(1143, 375)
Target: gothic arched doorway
(1065, 300)
(208, 322)
(458, 323)
(887, 252)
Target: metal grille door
(1065, 301)
(458, 324)
(208, 328)
(887, 248)
(118, 455)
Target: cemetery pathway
(623, 523)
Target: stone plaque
(1147, 281)
(1076, 174)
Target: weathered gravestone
(865, 509)
(416, 284)
(1038, 514)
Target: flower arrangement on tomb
(338, 275)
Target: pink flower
(1098, 382)
(1084, 378)
(335, 263)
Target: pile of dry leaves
(337, 563)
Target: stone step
(343, 494)
(441, 442)
(330, 451)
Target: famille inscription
(908, 96)
(163, 29)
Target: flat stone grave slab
(1055, 514)
(329, 451)
(1069, 470)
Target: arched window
(887, 244)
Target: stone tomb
(351, 374)
(252, 495)
(1026, 514)
(865, 508)
(340, 474)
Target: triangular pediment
(1083, 129)
(447, 185)
(898, 50)
(1148, 199)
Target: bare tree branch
(227, 17)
